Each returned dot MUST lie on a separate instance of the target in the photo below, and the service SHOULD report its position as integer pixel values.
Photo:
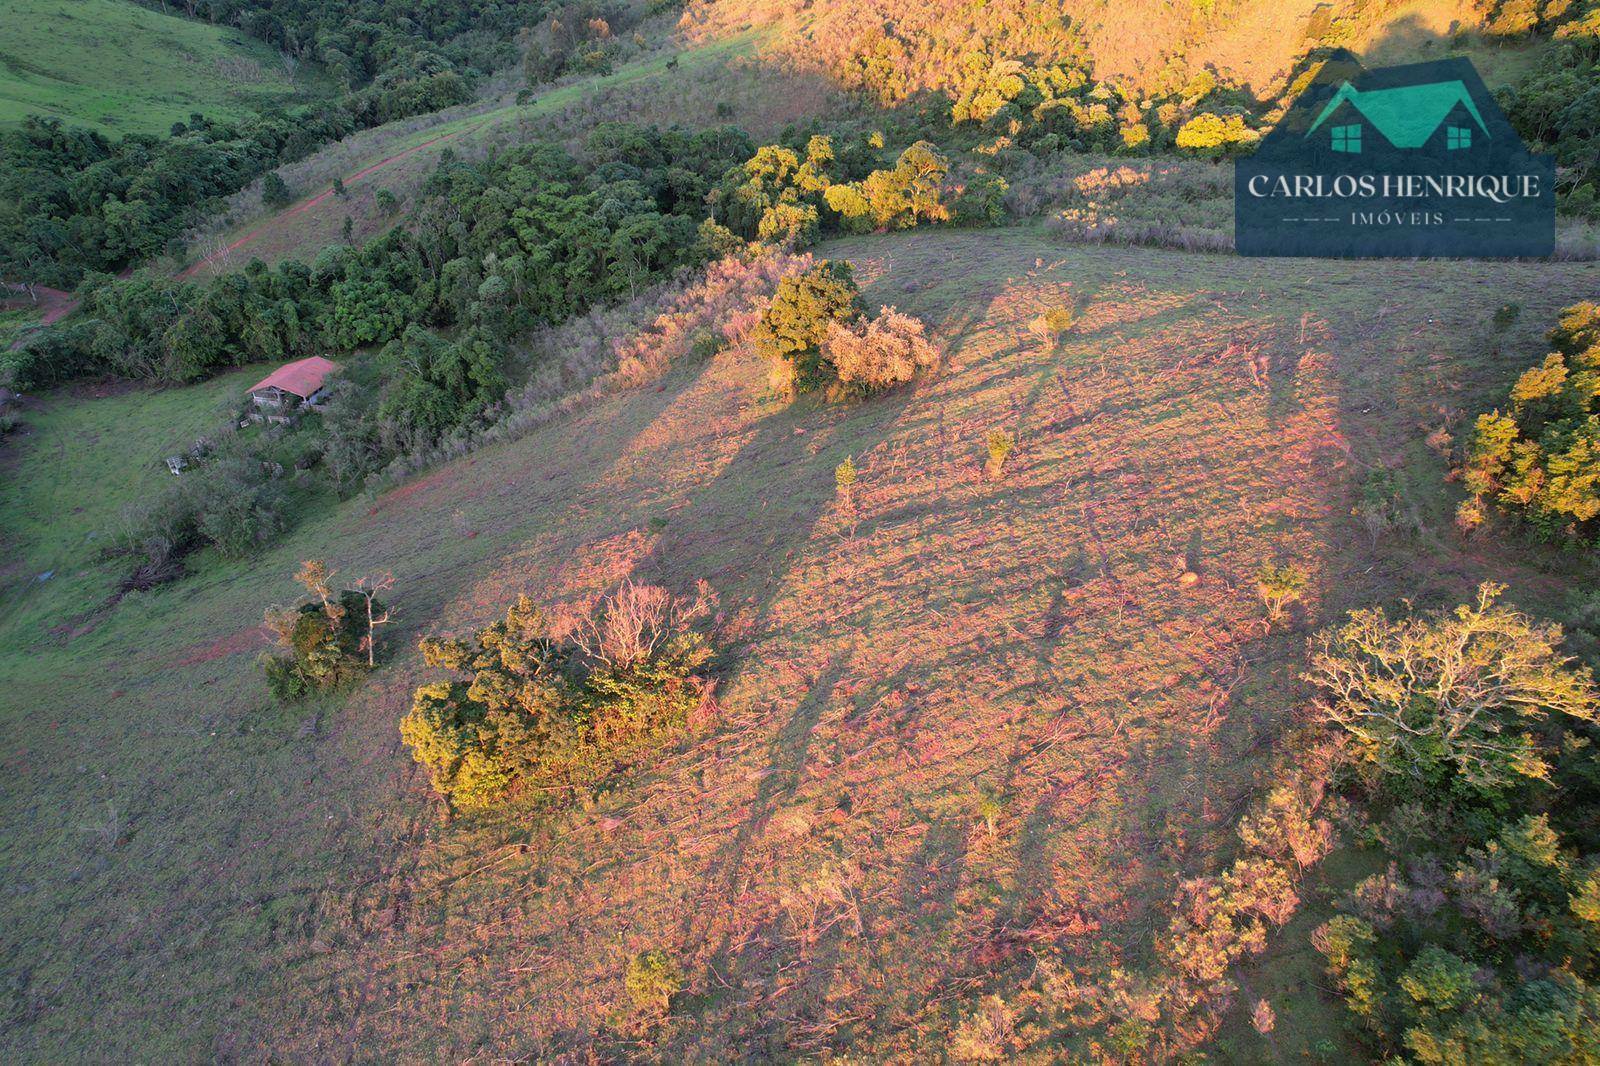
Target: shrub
(1541, 462)
(328, 638)
(557, 706)
(989, 1034)
(982, 202)
(1284, 826)
(1278, 586)
(232, 501)
(998, 445)
(1450, 695)
(1051, 325)
(795, 325)
(991, 805)
(652, 979)
(871, 356)
(274, 193)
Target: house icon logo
(1405, 161)
(1408, 117)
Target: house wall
(274, 398)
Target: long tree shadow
(387, 778)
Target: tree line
(522, 238)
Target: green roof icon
(1408, 115)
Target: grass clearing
(91, 453)
(121, 68)
(15, 323)
(202, 875)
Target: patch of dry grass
(991, 722)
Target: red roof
(302, 377)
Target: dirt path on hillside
(306, 205)
(53, 304)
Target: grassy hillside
(121, 68)
(198, 873)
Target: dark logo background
(1355, 141)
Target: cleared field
(121, 68)
(194, 872)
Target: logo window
(1457, 137)
(1347, 138)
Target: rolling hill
(972, 736)
(121, 68)
(199, 872)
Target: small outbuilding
(304, 381)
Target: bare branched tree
(317, 578)
(636, 622)
(368, 589)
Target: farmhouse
(293, 384)
(1438, 114)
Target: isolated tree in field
(1280, 585)
(325, 639)
(873, 355)
(368, 589)
(557, 704)
(844, 480)
(1051, 325)
(795, 325)
(317, 579)
(1450, 694)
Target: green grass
(13, 323)
(121, 68)
(88, 460)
